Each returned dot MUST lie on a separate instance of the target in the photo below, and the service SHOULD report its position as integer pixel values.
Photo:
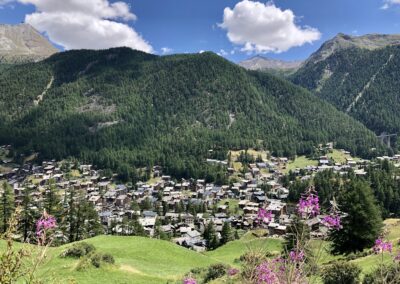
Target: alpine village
(122, 161)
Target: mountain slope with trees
(362, 82)
(125, 110)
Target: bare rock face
(22, 43)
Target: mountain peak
(343, 41)
(23, 43)
(259, 62)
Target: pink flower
(45, 223)
(266, 273)
(264, 215)
(233, 271)
(332, 222)
(308, 205)
(382, 246)
(189, 280)
(296, 256)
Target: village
(182, 209)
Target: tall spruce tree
(226, 234)
(362, 222)
(6, 206)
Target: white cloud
(166, 50)
(222, 53)
(265, 28)
(91, 24)
(202, 51)
(388, 3)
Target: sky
(235, 29)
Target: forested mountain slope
(361, 82)
(123, 109)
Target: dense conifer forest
(364, 83)
(127, 110)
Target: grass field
(340, 157)
(150, 261)
(300, 162)
(138, 260)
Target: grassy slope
(138, 260)
(300, 162)
(142, 260)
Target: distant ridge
(263, 63)
(342, 41)
(22, 43)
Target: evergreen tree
(210, 236)
(28, 217)
(6, 206)
(52, 200)
(226, 234)
(362, 222)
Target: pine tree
(226, 234)
(52, 200)
(6, 206)
(362, 223)
(28, 216)
(210, 236)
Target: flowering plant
(45, 224)
(264, 216)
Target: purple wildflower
(45, 223)
(189, 280)
(266, 273)
(233, 271)
(308, 205)
(332, 222)
(296, 256)
(264, 215)
(382, 246)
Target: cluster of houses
(237, 203)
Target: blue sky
(181, 26)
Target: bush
(108, 258)
(78, 250)
(390, 273)
(96, 259)
(341, 272)
(215, 271)
(250, 260)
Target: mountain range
(263, 63)
(124, 109)
(359, 76)
(121, 108)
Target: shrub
(251, 260)
(108, 258)
(95, 259)
(341, 272)
(215, 271)
(78, 250)
(389, 273)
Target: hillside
(141, 260)
(120, 108)
(362, 82)
(22, 43)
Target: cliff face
(22, 43)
